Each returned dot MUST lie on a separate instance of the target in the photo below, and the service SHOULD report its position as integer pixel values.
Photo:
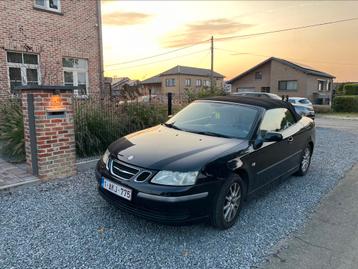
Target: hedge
(346, 103)
(351, 89)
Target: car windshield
(215, 119)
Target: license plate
(117, 189)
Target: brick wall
(72, 33)
(55, 137)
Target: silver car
(300, 101)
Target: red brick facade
(56, 149)
(72, 32)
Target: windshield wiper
(171, 125)
(210, 134)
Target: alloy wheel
(232, 202)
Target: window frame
(75, 71)
(206, 83)
(170, 82)
(286, 83)
(258, 75)
(198, 84)
(324, 84)
(23, 68)
(47, 6)
(187, 80)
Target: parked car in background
(300, 101)
(305, 111)
(257, 94)
(206, 159)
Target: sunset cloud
(195, 32)
(118, 18)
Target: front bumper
(165, 204)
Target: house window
(188, 82)
(287, 85)
(170, 82)
(207, 83)
(75, 73)
(198, 83)
(258, 75)
(23, 69)
(321, 85)
(52, 5)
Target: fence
(101, 120)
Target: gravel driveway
(66, 224)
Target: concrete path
(349, 125)
(330, 238)
(14, 175)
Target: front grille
(128, 172)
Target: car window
(304, 101)
(276, 120)
(292, 101)
(224, 119)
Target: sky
(134, 30)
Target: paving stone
(12, 174)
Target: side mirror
(273, 137)
(259, 141)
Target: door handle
(290, 139)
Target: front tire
(305, 161)
(228, 202)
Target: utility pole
(212, 64)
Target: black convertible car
(206, 159)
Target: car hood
(163, 148)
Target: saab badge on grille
(130, 157)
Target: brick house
(50, 42)
(181, 78)
(283, 77)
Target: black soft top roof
(263, 102)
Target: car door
(274, 159)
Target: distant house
(283, 77)
(152, 85)
(181, 78)
(125, 87)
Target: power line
(163, 60)
(285, 29)
(236, 53)
(232, 37)
(158, 55)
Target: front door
(275, 159)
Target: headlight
(175, 178)
(105, 157)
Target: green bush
(202, 93)
(346, 103)
(98, 124)
(12, 131)
(351, 89)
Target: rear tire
(305, 161)
(228, 202)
